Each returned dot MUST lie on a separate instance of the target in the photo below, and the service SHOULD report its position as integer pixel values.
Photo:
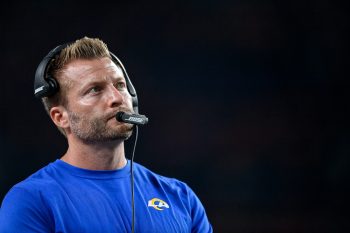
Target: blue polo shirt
(64, 198)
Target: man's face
(97, 91)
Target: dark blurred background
(247, 100)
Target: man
(89, 188)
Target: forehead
(83, 69)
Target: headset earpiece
(44, 85)
(53, 86)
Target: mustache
(121, 109)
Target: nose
(114, 97)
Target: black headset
(45, 85)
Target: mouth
(114, 114)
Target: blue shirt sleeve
(200, 222)
(24, 211)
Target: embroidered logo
(158, 204)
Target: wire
(132, 181)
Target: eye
(94, 90)
(120, 86)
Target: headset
(45, 85)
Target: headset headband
(45, 85)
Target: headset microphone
(135, 119)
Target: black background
(247, 100)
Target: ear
(59, 116)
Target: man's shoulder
(38, 181)
(24, 205)
(155, 178)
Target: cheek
(77, 102)
(88, 101)
(129, 101)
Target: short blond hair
(84, 48)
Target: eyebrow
(96, 80)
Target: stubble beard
(97, 130)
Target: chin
(123, 131)
(120, 136)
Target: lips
(114, 114)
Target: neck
(96, 156)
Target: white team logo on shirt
(158, 204)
